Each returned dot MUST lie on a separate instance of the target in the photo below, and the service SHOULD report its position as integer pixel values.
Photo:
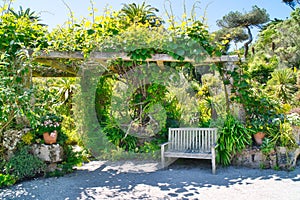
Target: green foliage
(257, 104)
(255, 17)
(152, 146)
(117, 137)
(281, 39)
(25, 165)
(20, 32)
(279, 134)
(69, 128)
(28, 138)
(282, 85)
(211, 99)
(285, 137)
(103, 98)
(233, 138)
(64, 90)
(85, 35)
(267, 146)
(260, 68)
(14, 95)
(31, 15)
(6, 180)
(225, 35)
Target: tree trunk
(246, 45)
(222, 73)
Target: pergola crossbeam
(103, 56)
(56, 59)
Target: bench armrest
(164, 144)
(163, 147)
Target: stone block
(287, 158)
(254, 158)
(48, 153)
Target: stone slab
(48, 153)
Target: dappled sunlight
(184, 179)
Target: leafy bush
(7, 180)
(285, 137)
(233, 138)
(267, 146)
(117, 137)
(24, 165)
(28, 138)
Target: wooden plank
(57, 65)
(193, 141)
(59, 55)
(188, 155)
(114, 55)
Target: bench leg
(213, 160)
(162, 156)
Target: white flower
(53, 134)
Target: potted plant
(50, 127)
(259, 128)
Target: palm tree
(141, 14)
(31, 15)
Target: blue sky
(54, 12)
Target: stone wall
(254, 158)
(280, 157)
(11, 138)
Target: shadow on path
(122, 180)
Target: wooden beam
(59, 55)
(56, 64)
(103, 56)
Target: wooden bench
(197, 143)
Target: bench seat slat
(188, 155)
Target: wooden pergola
(57, 59)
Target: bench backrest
(200, 139)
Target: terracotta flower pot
(50, 138)
(258, 137)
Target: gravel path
(185, 179)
